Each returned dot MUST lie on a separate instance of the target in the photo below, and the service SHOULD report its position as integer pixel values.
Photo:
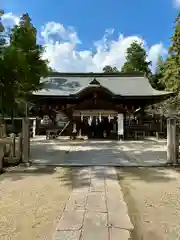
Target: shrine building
(97, 105)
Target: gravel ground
(31, 202)
(153, 198)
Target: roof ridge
(92, 74)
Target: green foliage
(136, 60)
(155, 79)
(23, 38)
(21, 66)
(109, 69)
(171, 71)
(170, 76)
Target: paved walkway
(95, 209)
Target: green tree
(109, 69)
(171, 75)
(21, 66)
(155, 80)
(24, 39)
(136, 59)
(171, 72)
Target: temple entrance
(96, 124)
(100, 128)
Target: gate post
(171, 141)
(25, 141)
(177, 145)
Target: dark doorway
(100, 129)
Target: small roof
(119, 84)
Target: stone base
(27, 164)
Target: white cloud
(64, 56)
(155, 51)
(54, 30)
(9, 19)
(61, 48)
(176, 3)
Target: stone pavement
(150, 152)
(95, 209)
(97, 153)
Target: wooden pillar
(25, 141)
(171, 141)
(34, 127)
(120, 126)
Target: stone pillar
(13, 145)
(1, 156)
(171, 141)
(177, 146)
(20, 147)
(25, 141)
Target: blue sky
(151, 21)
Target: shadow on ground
(76, 177)
(99, 153)
(147, 174)
(130, 157)
(18, 173)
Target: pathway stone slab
(71, 220)
(116, 205)
(119, 234)
(96, 207)
(97, 186)
(119, 220)
(93, 233)
(67, 235)
(77, 201)
(96, 202)
(95, 219)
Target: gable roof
(94, 82)
(68, 84)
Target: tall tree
(171, 75)
(32, 67)
(24, 39)
(21, 66)
(155, 80)
(136, 59)
(109, 69)
(171, 72)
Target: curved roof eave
(82, 90)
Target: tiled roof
(64, 84)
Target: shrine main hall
(96, 105)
